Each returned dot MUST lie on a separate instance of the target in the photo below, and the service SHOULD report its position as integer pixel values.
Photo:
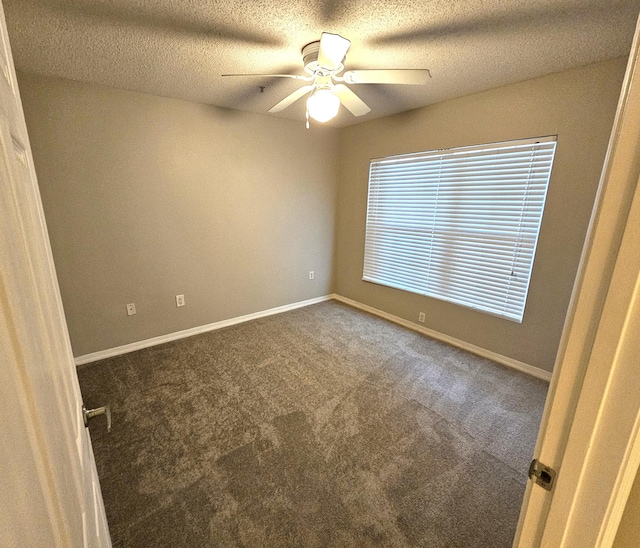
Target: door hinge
(542, 474)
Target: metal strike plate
(542, 475)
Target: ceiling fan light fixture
(323, 62)
(323, 105)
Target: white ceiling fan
(323, 63)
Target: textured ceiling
(180, 48)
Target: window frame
(468, 177)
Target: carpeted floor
(320, 427)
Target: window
(459, 224)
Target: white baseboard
(504, 360)
(499, 358)
(124, 349)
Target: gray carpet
(323, 426)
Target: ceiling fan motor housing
(310, 61)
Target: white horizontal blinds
(459, 224)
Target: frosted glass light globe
(323, 105)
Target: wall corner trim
(493, 356)
(132, 347)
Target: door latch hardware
(90, 413)
(542, 474)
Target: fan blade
(294, 76)
(350, 100)
(388, 76)
(290, 99)
(333, 48)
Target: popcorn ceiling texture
(181, 49)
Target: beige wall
(149, 197)
(577, 105)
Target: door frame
(589, 433)
(49, 489)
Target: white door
(49, 490)
(589, 433)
